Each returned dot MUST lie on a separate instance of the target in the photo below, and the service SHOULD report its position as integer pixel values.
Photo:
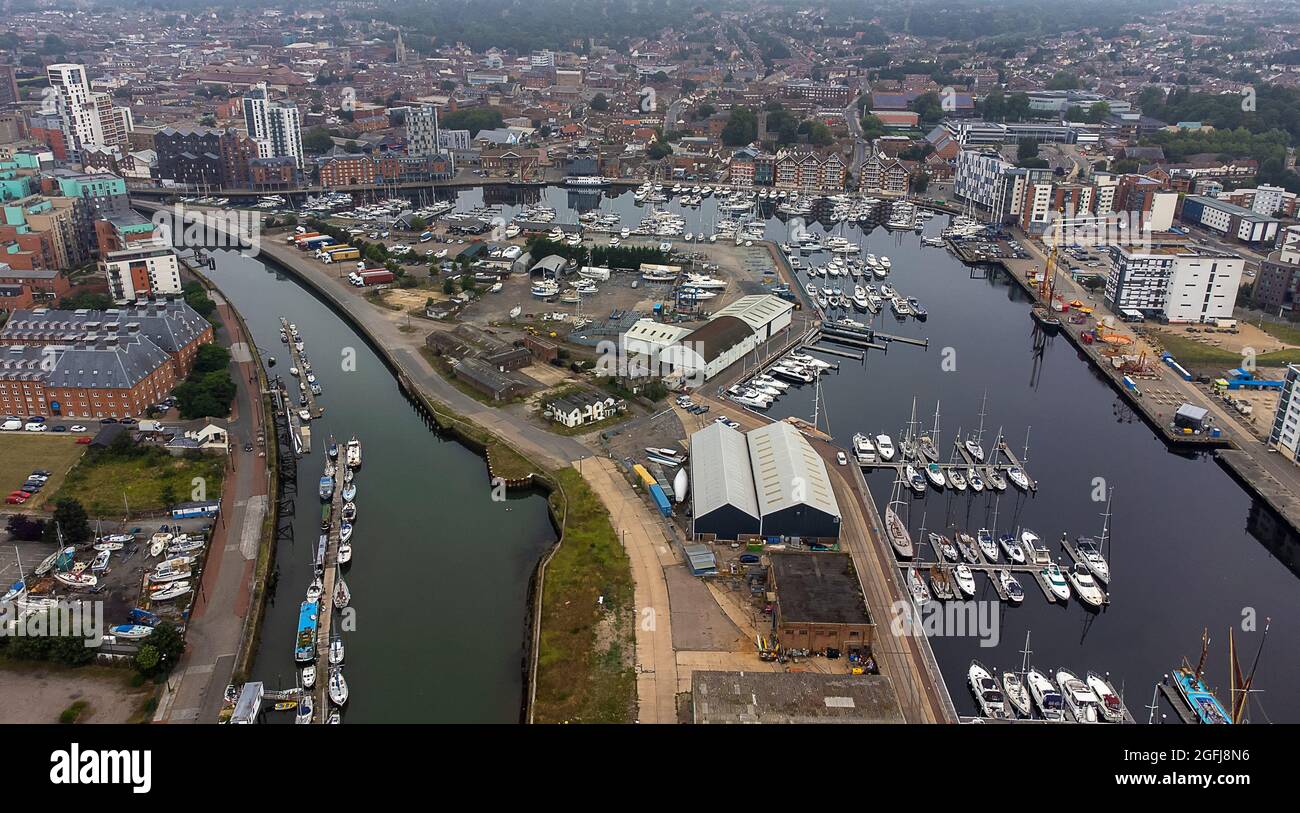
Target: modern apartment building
(1285, 434)
(274, 124)
(1174, 283)
(1230, 220)
(143, 269)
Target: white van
(11, 425)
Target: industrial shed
(794, 492)
(722, 490)
(765, 314)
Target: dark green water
(440, 572)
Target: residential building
(1230, 220)
(422, 136)
(144, 269)
(1285, 434)
(273, 123)
(1175, 283)
(1277, 287)
(580, 408)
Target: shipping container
(661, 500)
(377, 277)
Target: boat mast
(1024, 663)
(1105, 522)
(1024, 456)
(979, 436)
(935, 434)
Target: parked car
(76, 427)
(59, 428)
(84, 440)
(128, 421)
(36, 427)
(17, 498)
(107, 420)
(11, 425)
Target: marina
(414, 528)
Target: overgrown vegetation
(208, 390)
(577, 681)
(145, 478)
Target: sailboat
(974, 445)
(1109, 703)
(1091, 550)
(1013, 684)
(342, 595)
(336, 651)
(338, 687)
(927, 443)
(1198, 696)
(984, 538)
(895, 528)
(916, 583)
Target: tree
(211, 357)
(317, 140)
(24, 528)
(599, 102)
(872, 126)
(929, 107)
(69, 520)
(658, 149)
(1026, 148)
(741, 127)
(1063, 80)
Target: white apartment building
(1176, 283)
(422, 131)
(143, 269)
(1285, 435)
(77, 110)
(275, 124)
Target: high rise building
(422, 131)
(72, 101)
(274, 123)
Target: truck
(330, 249)
(303, 235)
(314, 243)
(378, 276)
(342, 255)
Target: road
(649, 549)
(196, 689)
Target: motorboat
(309, 676)
(303, 717)
(326, 488)
(1085, 586)
(338, 687)
(956, 479)
(349, 491)
(965, 578)
(1046, 697)
(1013, 688)
(354, 453)
(885, 447)
(1018, 477)
(1034, 551)
(314, 590)
(1109, 703)
(1079, 699)
(345, 553)
(332, 449)
(943, 546)
(966, 546)
(987, 693)
(935, 474)
(898, 535)
(81, 581)
(336, 652)
(349, 512)
(1010, 584)
(916, 583)
(335, 718)
(170, 591)
(914, 478)
(130, 632)
(1055, 582)
(345, 531)
(1089, 550)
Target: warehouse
(724, 501)
(819, 603)
(792, 486)
(792, 698)
(769, 482)
(702, 353)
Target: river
(1190, 548)
(440, 571)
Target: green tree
(211, 357)
(741, 127)
(70, 520)
(599, 102)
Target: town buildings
(1174, 283)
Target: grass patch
(588, 428)
(583, 672)
(506, 462)
(23, 452)
(1215, 360)
(443, 367)
(1283, 333)
(151, 480)
(74, 713)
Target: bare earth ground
(47, 690)
(1248, 335)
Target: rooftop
(792, 697)
(818, 588)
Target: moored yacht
(1085, 586)
(1079, 699)
(987, 693)
(885, 447)
(1046, 697)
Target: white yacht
(965, 578)
(987, 693)
(885, 447)
(1090, 550)
(1079, 699)
(1055, 582)
(1046, 697)
(864, 449)
(1015, 593)
(1085, 586)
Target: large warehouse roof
(787, 471)
(756, 310)
(720, 472)
(718, 335)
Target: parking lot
(22, 453)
